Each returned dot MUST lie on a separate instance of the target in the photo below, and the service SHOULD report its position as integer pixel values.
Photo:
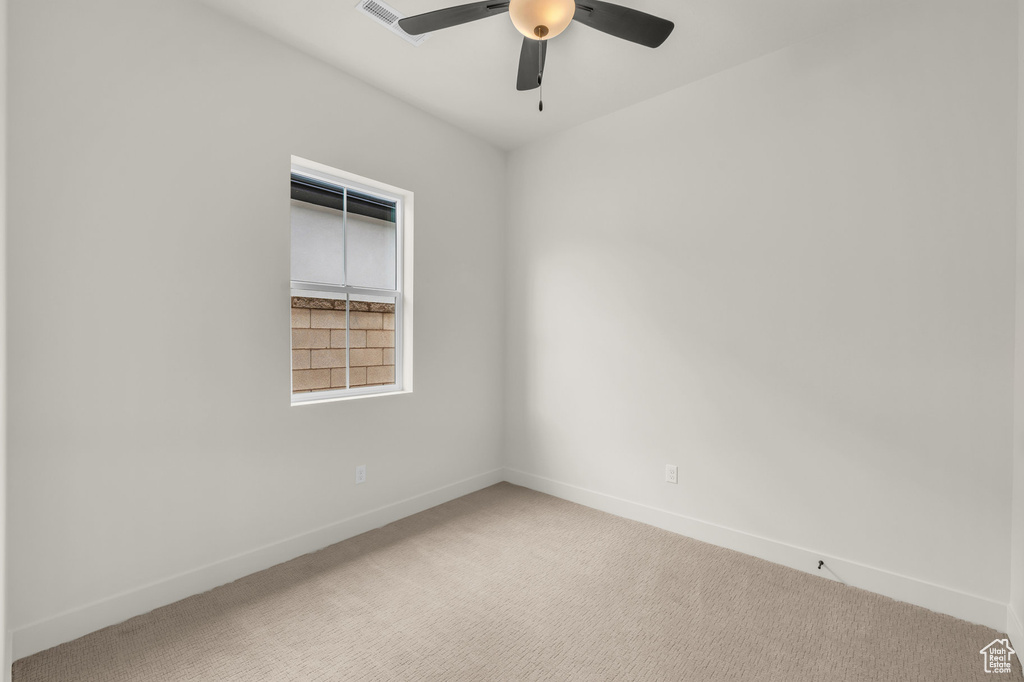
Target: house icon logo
(997, 656)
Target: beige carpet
(510, 584)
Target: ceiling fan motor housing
(541, 19)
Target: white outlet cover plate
(671, 473)
(361, 473)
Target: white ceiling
(466, 74)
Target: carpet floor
(511, 584)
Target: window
(351, 322)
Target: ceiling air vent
(387, 16)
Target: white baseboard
(1015, 630)
(970, 607)
(63, 627)
(74, 623)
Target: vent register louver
(388, 16)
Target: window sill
(334, 396)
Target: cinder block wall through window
(318, 344)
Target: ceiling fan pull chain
(540, 75)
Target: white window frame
(403, 283)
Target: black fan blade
(451, 16)
(623, 22)
(531, 63)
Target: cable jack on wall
(821, 565)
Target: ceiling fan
(541, 20)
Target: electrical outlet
(671, 473)
(361, 473)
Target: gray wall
(150, 427)
(795, 281)
(6, 658)
(1015, 617)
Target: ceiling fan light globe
(541, 19)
